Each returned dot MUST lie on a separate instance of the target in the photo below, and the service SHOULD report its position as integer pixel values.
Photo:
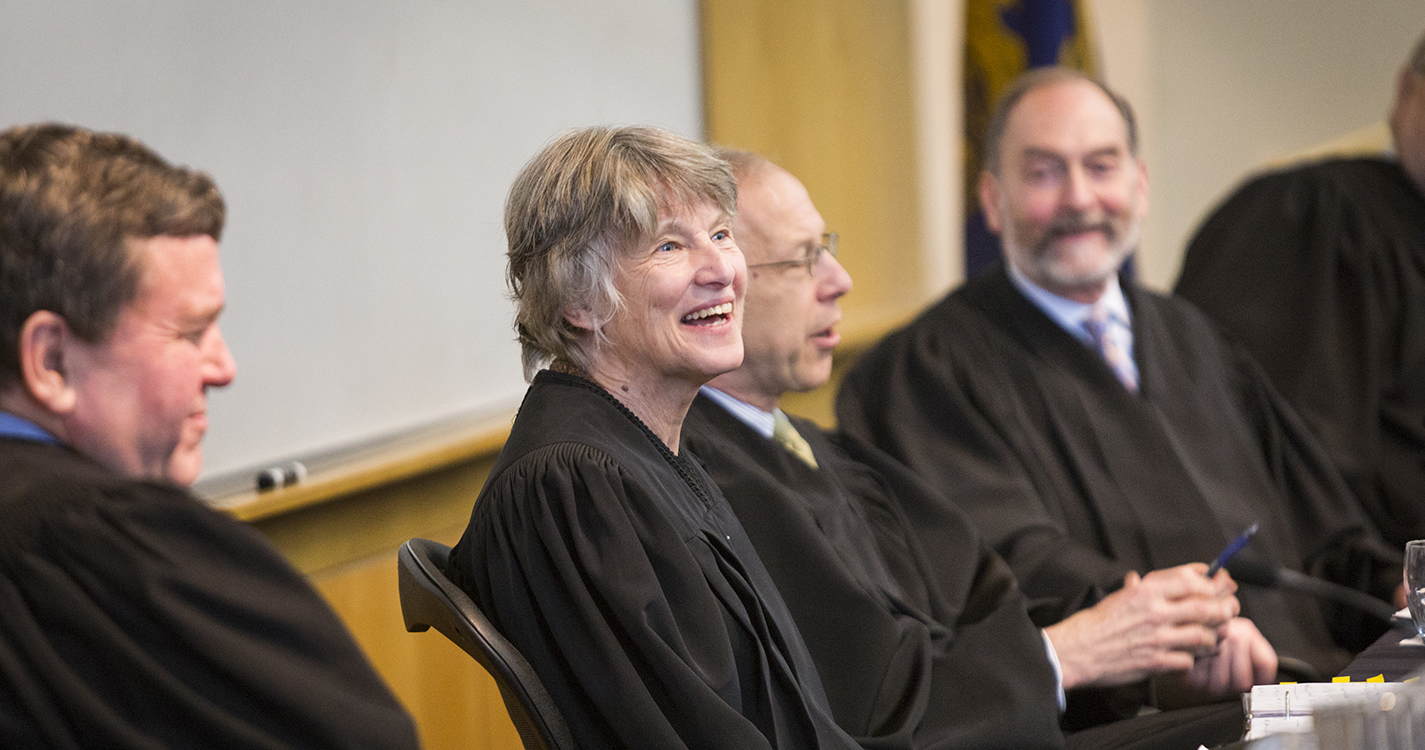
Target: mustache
(1076, 225)
(1073, 225)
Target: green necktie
(787, 436)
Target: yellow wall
(825, 90)
(454, 702)
(347, 546)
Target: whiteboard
(364, 149)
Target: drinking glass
(1415, 582)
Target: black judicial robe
(1074, 480)
(620, 572)
(914, 651)
(1319, 271)
(133, 616)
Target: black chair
(428, 599)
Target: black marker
(1232, 549)
(281, 475)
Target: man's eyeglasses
(828, 245)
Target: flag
(1004, 38)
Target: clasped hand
(1171, 620)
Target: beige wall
(1222, 87)
(825, 89)
(1225, 86)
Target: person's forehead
(685, 213)
(1408, 118)
(779, 209)
(1417, 89)
(180, 273)
(1065, 114)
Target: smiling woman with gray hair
(610, 561)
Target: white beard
(1046, 269)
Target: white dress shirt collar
(1070, 315)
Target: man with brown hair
(131, 615)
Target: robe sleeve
(909, 399)
(630, 617)
(993, 638)
(1319, 272)
(133, 616)
(1337, 542)
(958, 547)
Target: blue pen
(1232, 549)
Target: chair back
(429, 599)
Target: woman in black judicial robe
(610, 561)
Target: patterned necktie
(1100, 327)
(787, 436)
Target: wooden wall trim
(361, 468)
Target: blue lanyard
(12, 426)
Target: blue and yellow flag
(1004, 38)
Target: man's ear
(45, 340)
(1142, 167)
(989, 202)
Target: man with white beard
(1093, 429)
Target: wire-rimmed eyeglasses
(828, 245)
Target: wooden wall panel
(454, 701)
(825, 90)
(347, 546)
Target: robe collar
(1024, 319)
(1069, 314)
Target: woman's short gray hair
(575, 208)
